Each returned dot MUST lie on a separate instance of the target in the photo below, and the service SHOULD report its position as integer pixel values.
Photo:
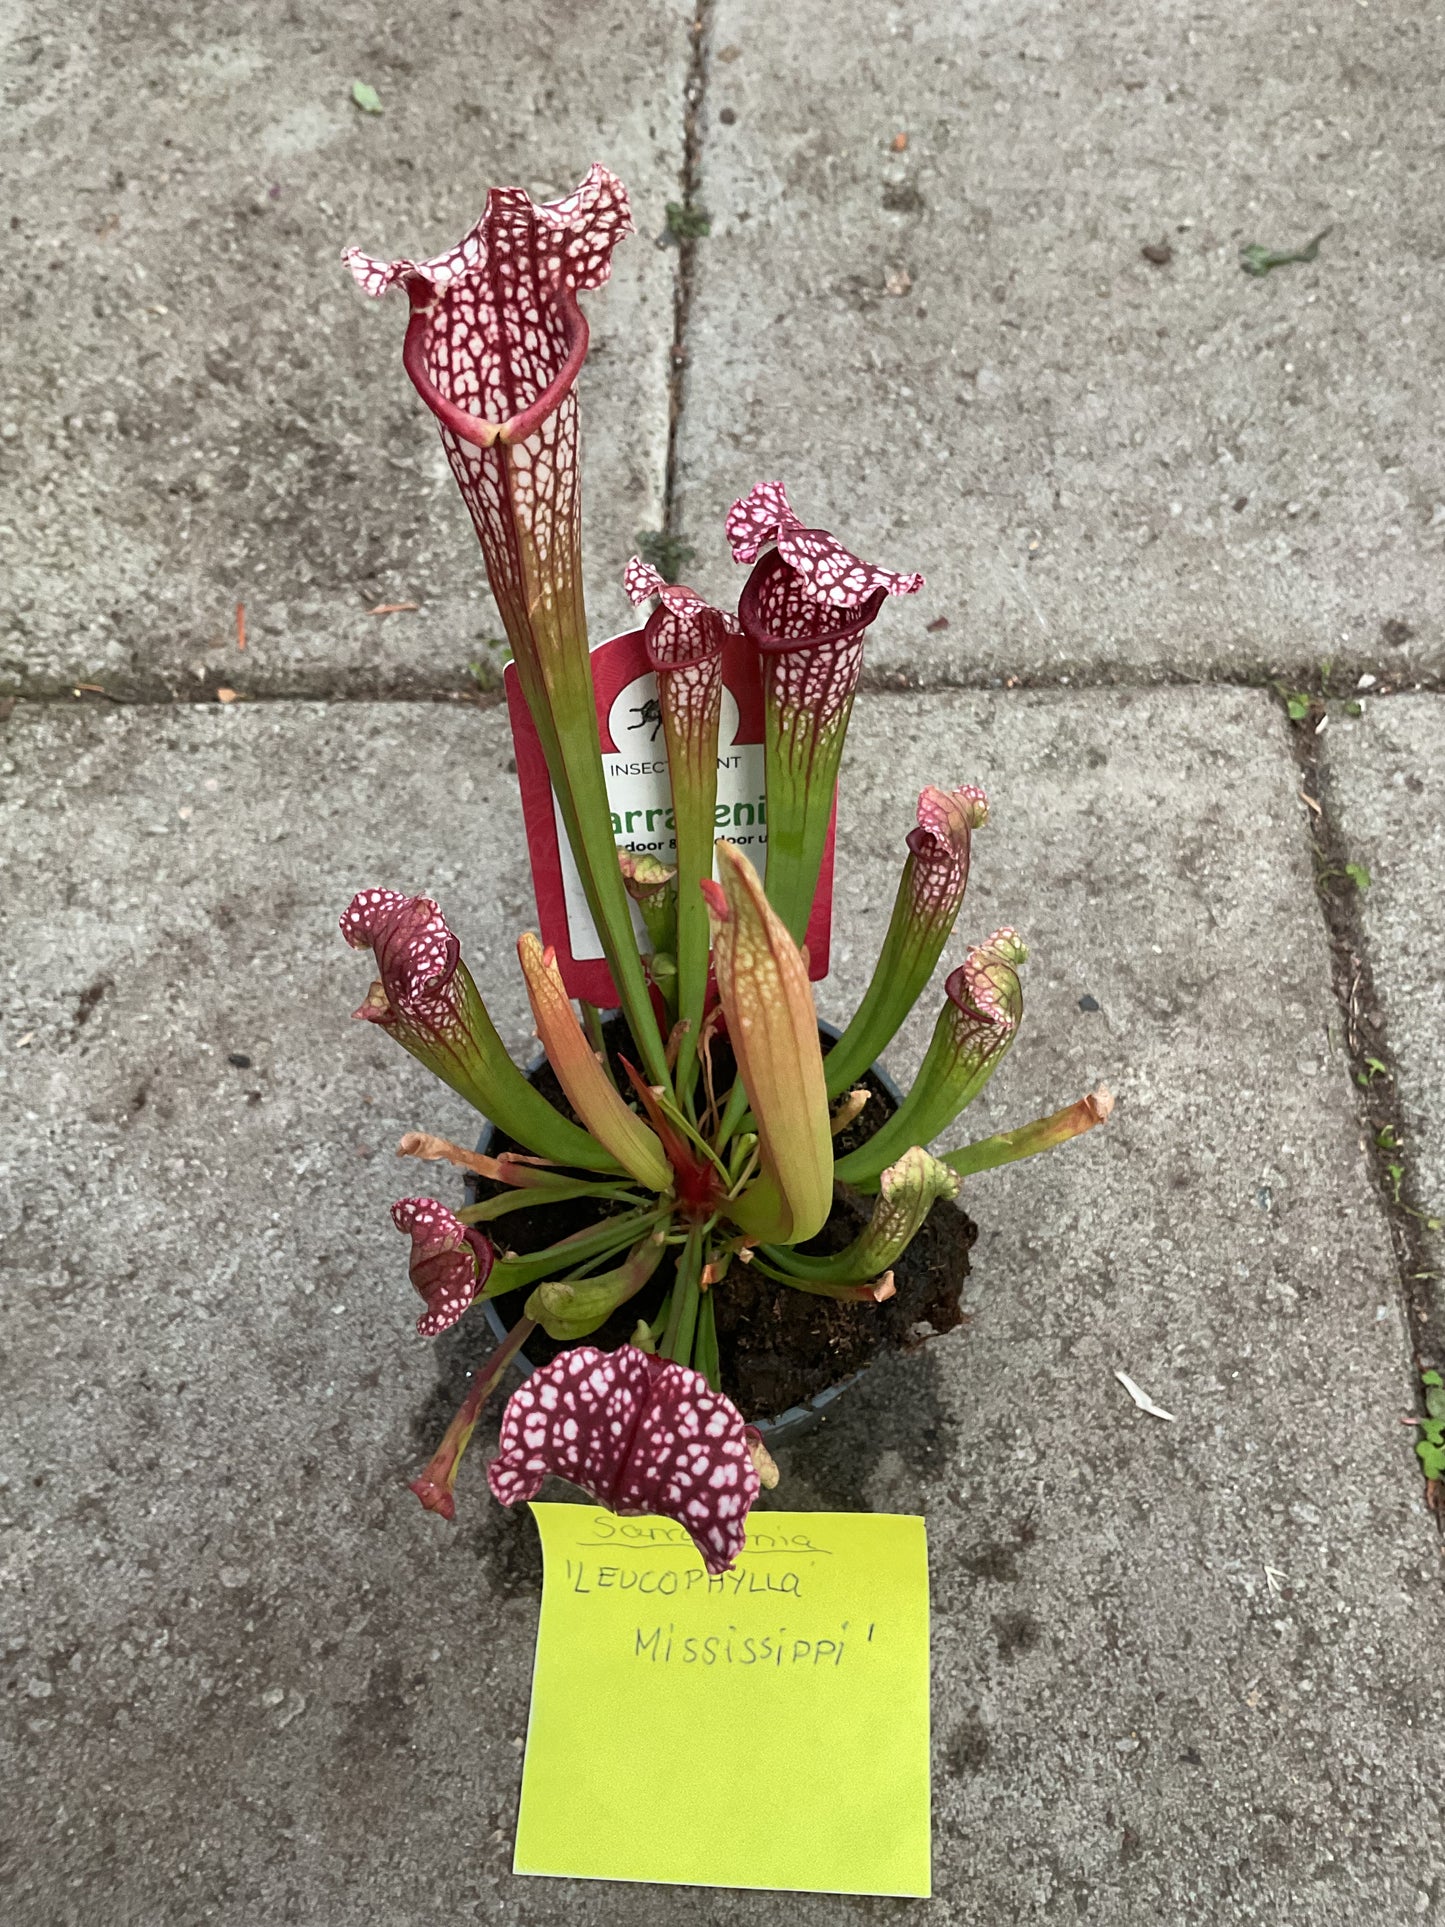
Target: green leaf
(1358, 875)
(930, 895)
(1432, 1459)
(704, 1344)
(562, 1192)
(366, 97)
(600, 1240)
(1297, 706)
(1258, 260)
(574, 1307)
(773, 1028)
(1431, 1378)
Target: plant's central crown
(496, 337)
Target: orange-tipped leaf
(773, 1028)
(590, 1091)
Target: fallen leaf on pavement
(1259, 260)
(1142, 1399)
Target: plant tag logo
(634, 763)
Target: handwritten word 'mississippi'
(663, 1646)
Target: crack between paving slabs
(694, 94)
(1367, 1050)
(882, 682)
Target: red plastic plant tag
(634, 761)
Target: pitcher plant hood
(805, 608)
(449, 1261)
(684, 628)
(638, 1433)
(807, 601)
(426, 999)
(930, 896)
(826, 573)
(494, 346)
(982, 1010)
(496, 338)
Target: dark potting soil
(777, 1346)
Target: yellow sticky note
(768, 1728)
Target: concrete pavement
(925, 304)
(1182, 1670)
(1176, 1667)
(198, 408)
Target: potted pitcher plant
(691, 1192)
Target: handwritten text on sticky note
(766, 1728)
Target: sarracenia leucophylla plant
(683, 1164)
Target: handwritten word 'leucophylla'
(670, 1582)
(665, 1646)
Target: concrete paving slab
(955, 349)
(197, 408)
(1386, 774)
(1182, 1670)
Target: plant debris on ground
(1259, 260)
